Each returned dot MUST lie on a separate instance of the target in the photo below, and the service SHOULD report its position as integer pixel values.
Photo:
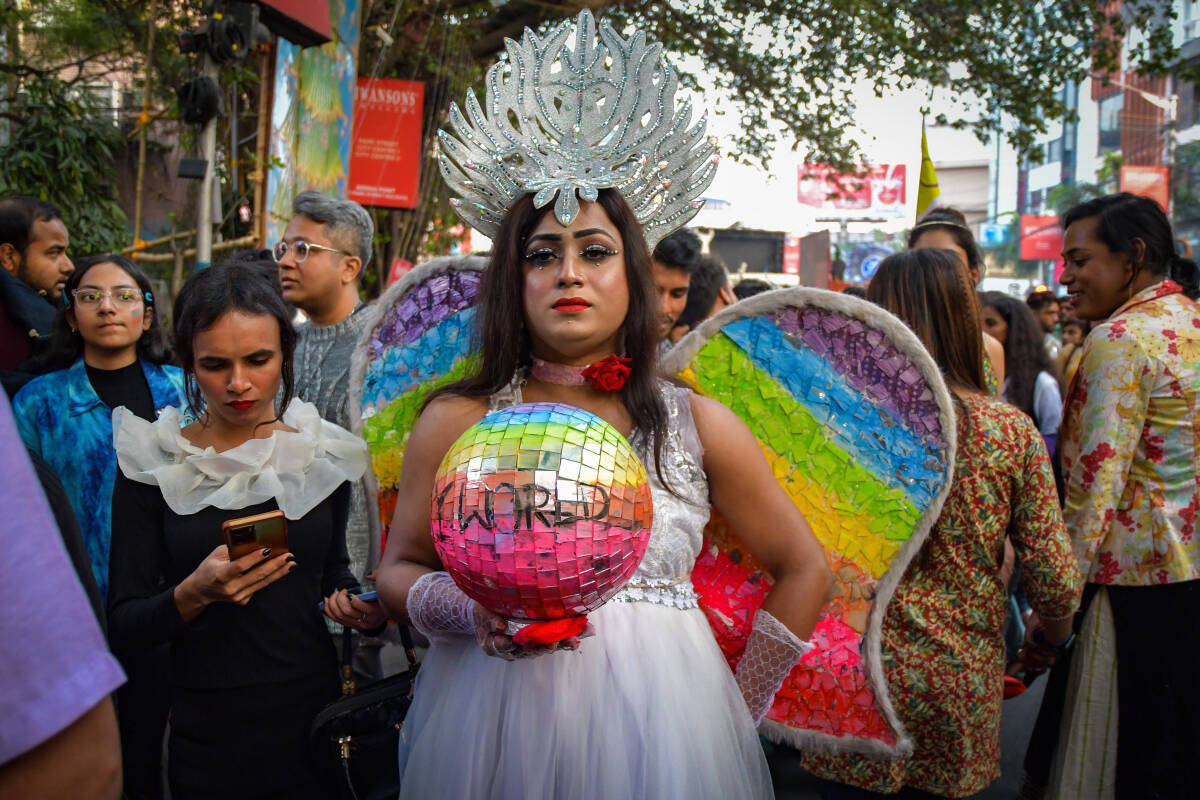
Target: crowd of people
(145, 656)
(138, 445)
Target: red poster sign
(385, 152)
(1152, 182)
(882, 188)
(1041, 238)
(400, 268)
(791, 255)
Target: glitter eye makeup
(594, 253)
(541, 257)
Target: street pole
(1171, 115)
(204, 207)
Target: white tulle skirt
(646, 709)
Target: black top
(26, 321)
(124, 386)
(279, 635)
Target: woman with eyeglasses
(109, 350)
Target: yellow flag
(928, 191)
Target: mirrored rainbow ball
(541, 511)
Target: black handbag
(358, 735)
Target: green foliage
(791, 66)
(789, 69)
(1185, 185)
(64, 146)
(62, 149)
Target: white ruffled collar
(298, 469)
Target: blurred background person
(1075, 330)
(708, 293)
(942, 643)
(33, 252)
(1048, 309)
(1032, 380)
(674, 259)
(748, 287)
(946, 229)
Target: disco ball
(541, 511)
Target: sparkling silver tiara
(562, 121)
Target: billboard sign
(311, 117)
(791, 255)
(1041, 238)
(1152, 182)
(386, 151)
(881, 189)
(992, 234)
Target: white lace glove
(439, 609)
(771, 653)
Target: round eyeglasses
(120, 297)
(300, 250)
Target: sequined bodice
(679, 517)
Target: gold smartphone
(247, 534)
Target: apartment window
(1054, 151)
(1110, 122)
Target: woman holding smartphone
(251, 661)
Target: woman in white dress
(647, 707)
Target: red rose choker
(606, 375)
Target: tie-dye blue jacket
(62, 419)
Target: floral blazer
(1129, 443)
(62, 419)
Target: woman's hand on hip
(220, 580)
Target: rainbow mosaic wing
(421, 335)
(858, 428)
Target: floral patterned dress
(943, 650)
(1130, 443)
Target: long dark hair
(931, 291)
(1024, 350)
(504, 339)
(215, 291)
(952, 221)
(66, 345)
(1123, 218)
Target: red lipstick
(242, 405)
(572, 305)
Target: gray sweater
(322, 365)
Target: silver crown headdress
(561, 121)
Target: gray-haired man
(325, 247)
